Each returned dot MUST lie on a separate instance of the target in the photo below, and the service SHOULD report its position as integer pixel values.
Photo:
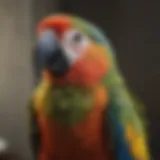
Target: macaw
(81, 108)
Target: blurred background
(133, 26)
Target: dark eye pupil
(77, 37)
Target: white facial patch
(74, 44)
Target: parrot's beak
(49, 54)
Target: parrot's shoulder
(39, 94)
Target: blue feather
(120, 145)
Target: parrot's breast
(82, 141)
(68, 105)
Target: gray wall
(17, 23)
(15, 79)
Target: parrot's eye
(77, 37)
(74, 43)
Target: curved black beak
(49, 54)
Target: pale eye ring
(77, 37)
(74, 44)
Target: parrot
(81, 107)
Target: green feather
(68, 105)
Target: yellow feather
(40, 93)
(137, 143)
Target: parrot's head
(77, 58)
(71, 50)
